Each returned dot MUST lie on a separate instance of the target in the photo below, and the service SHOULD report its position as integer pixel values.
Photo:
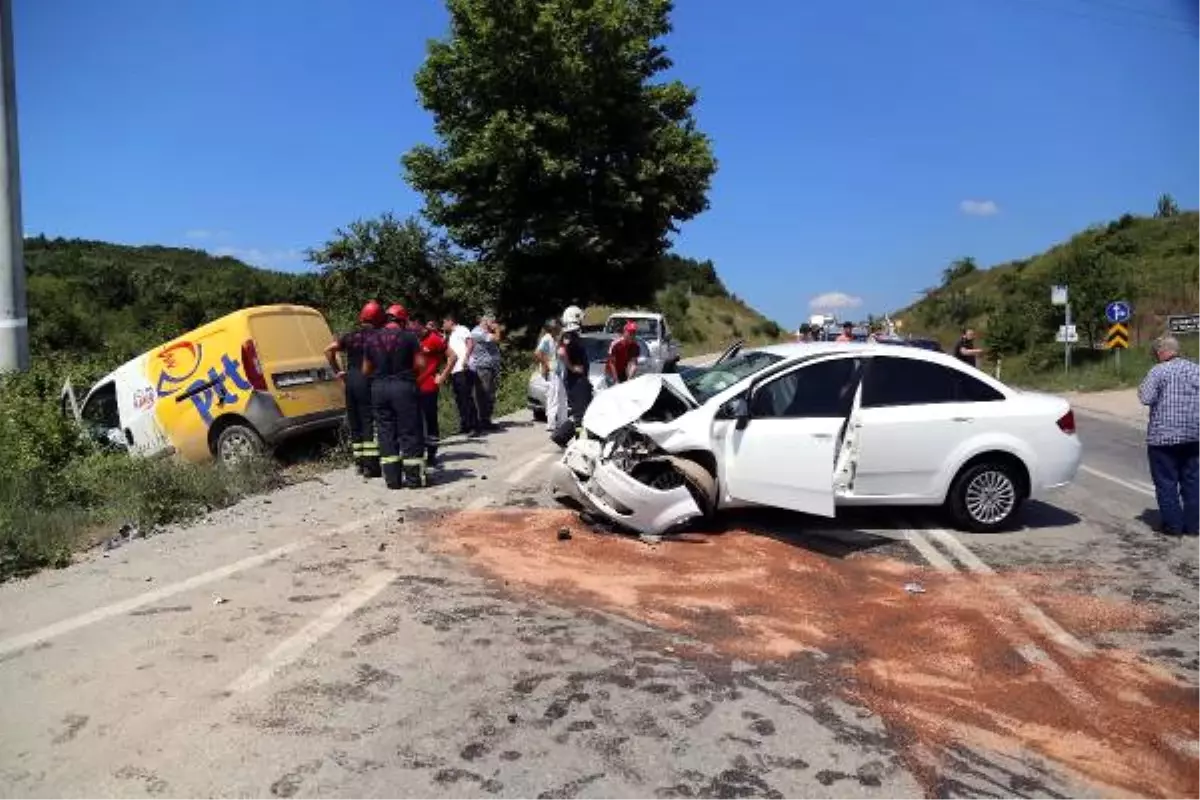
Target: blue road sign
(1118, 311)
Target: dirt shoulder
(1121, 405)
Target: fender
(993, 441)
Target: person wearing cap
(847, 334)
(623, 355)
(546, 355)
(360, 415)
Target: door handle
(964, 419)
(821, 435)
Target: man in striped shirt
(1172, 390)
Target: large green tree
(564, 160)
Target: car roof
(636, 314)
(791, 350)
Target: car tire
(237, 444)
(985, 497)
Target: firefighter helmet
(397, 312)
(572, 318)
(372, 314)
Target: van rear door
(290, 343)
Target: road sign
(1118, 311)
(1058, 295)
(1183, 323)
(1118, 337)
(1067, 333)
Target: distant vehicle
(652, 328)
(813, 427)
(596, 345)
(229, 389)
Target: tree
(561, 162)
(384, 258)
(958, 268)
(1166, 206)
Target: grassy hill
(707, 324)
(1149, 261)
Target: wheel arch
(221, 423)
(995, 455)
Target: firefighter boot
(370, 459)
(392, 468)
(415, 475)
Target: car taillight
(254, 371)
(1066, 423)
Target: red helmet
(371, 314)
(397, 312)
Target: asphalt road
(337, 639)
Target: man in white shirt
(460, 344)
(546, 355)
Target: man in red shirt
(623, 355)
(433, 347)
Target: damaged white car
(811, 427)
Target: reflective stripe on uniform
(356, 448)
(391, 460)
(368, 449)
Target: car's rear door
(290, 342)
(784, 454)
(914, 415)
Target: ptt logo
(179, 363)
(215, 389)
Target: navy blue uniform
(360, 416)
(392, 353)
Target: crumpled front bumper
(606, 490)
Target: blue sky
(862, 145)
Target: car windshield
(646, 328)
(705, 382)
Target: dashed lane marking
(1032, 614)
(525, 470)
(1136, 486)
(40, 635)
(292, 648)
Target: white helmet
(572, 318)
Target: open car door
(781, 443)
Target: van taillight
(254, 372)
(1066, 423)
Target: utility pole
(14, 314)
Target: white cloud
(831, 301)
(271, 259)
(979, 208)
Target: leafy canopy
(561, 161)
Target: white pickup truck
(652, 328)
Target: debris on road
(382, 546)
(564, 534)
(914, 588)
(512, 719)
(650, 538)
(218, 600)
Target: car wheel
(238, 444)
(985, 497)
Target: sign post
(1059, 297)
(1118, 312)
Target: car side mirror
(737, 409)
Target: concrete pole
(14, 314)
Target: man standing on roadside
(965, 349)
(546, 355)
(847, 334)
(461, 345)
(485, 363)
(429, 378)
(623, 355)
(1172, 391)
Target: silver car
(596, 345)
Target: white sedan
(814, 426)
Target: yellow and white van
(228, 389)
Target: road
(337, 639)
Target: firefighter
(359, 414)
(393, 360)
(576, 381)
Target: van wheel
(985, 498)
(238, 444)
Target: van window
(289, 339)
(100, 412)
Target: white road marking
(525, 470)
(479, 502)
(125, 606)
(1136, 486)
(928, 551)
(1032, 614)
(292, 648)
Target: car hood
(626, 403)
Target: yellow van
(228, 389)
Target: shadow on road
(462, 455)
(1037, 515)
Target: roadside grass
(1091, 370)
